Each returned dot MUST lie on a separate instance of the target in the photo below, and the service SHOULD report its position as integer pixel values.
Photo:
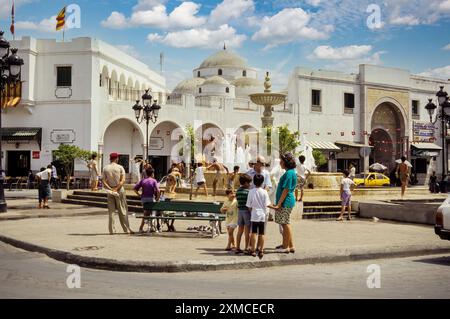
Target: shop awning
(427, 147)
(323, 146)
(22, 134)
(353, 144)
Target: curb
(15, 218)
(196, 266)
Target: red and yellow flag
(61, 20)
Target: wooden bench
(186, 210)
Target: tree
(67, 154)
(319, 158)
(288, 140)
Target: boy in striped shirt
(244, 214)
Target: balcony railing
(175, 99)
(131, 95)
(209, 101)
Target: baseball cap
(113, 156)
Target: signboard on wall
(63, 136)
(423, 132)
(36, 155)
(156, 143)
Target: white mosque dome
(224, 58)
(189, 86)
(242, 82)
(216, 80)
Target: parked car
(372, 180)
(442, 228)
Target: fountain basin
(268, 98)
(325, 180)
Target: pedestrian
(434, 186)
(150, 194)
(54, 179)
(285, 201)
(244, 214)
(94, 173)
(352, 170)
(219, 168)
(259, 168)
(44, 178)
(173, 180)
(258, 202)
(200, 180)
(113, 180)
(347, 187)
(403, 174)
(30, 180)
(302, 177)
(230, 208)
(233, 178)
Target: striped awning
(353, 144)
(323, 146)
(427, 146)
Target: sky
(273, 36)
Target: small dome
(216, 80)
(247, 82)
(224, 59)
(189, 86)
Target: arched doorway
(123, 136)
(388, 135)
(164, 147)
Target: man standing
(113, 181)
(219, 168)
(259, 169)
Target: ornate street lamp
(444, 116)
(147, 112)
(10, 74)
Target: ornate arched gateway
(388, 136)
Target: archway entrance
(164, 148)
(388, 135)
(125, 138)
(212, 142)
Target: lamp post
(10, 71)
(148, 112)
(444, 116)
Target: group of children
(248, 211)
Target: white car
(442, 228)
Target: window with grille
(64, 76)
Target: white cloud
(200, 38)
(230, 9)
(445, 5)
(288, 25)
(343, 53)
(447, 47)
(6, 5)
(151, 13)
(313, 3)
(116, 21)
(46, 25)
(443, 72)
(405, 20)
(129, 49)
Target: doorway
(19, 163)
(160, 166)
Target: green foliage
(319, 158)
(189, 143)
(288, 141)
(67, 154)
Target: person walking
(200, 180)
(403, 174)
(302, 177)
(54, 179)
(113, 180)
(352, 170)
(347, 187)
(219, 168)
(285, 201)
(44, 178)
(150, 194)
(94, 173)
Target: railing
(131, 95)
(175, 99)
(209, 101)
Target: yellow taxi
(372, 180)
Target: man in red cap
(113, 181)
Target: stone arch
(104, 76)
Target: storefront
(421, 155)
(352, 154)
(330, 151)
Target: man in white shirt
(44, 177)
(259, 169)
(302, 175)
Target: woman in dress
(403, 174)
(94, 174)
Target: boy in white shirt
(258, 201)
(200, 179)
(347, 186)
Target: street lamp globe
(147, 99)
(4, 45)
(446, 105)
(155, 109)
(137, 108)
(431, 108)
(15, 64)
(441, 95)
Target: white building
(82, 92)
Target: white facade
(95, 112)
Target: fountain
(268, 100)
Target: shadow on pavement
(441, 261)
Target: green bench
(187, 210)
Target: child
(200, 179)
(244, 215)
(302, 173)
(230, 208)
(347, 186)
(150, 193)
(258, 201)
(233, 178)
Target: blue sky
(271, 35)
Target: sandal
(292, 250)
(340, 219)
(279, 247)
(261, 255)
(239, 251)
(253, 254)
